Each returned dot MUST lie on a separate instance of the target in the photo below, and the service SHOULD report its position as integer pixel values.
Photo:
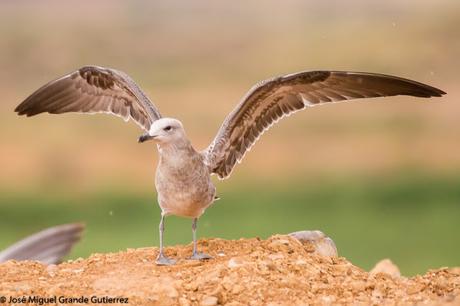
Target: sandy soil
(276, 271)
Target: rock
(386, 266)
(172, 292)
(184, 302)
(321, 244)
(276, 256)
(234, 262)
(237, 289)
(234, 303)
(209, 301)
(51, 270)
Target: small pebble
(386, 266)
(209, 301)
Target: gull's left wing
(273, 99)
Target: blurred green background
(381, 177)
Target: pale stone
(209, 301)
(322, 244)
(234, 262)
(386, 266)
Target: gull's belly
(184, 203)
(186, 197)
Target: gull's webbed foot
(162, 260)
(200, 256)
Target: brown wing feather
(93, 89)
(271, 100)
(48, 246)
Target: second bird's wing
(48, 246)
(93, 89)
(273, 99)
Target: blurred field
(411, 219)
(381, 178)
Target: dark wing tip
(39, 100)
(18, 110)
(25, 109)
(438, 92)
(409, 87)
(22, 109)
(427, 91)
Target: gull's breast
(184, 191)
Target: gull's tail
(48, 246)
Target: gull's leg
(195, 254)
(162, 260)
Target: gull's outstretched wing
(273, 99)
(48, 246)
(93, 89)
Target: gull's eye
(168, 128)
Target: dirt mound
(276, 271)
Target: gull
(48, 246)
(183, 175)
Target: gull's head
(164, 130)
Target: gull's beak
(145, 137)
